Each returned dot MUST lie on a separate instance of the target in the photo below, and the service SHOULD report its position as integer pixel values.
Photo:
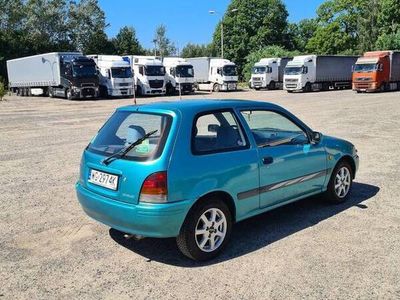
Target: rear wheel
(340, 183)
(206, 230)
(272, 85)
(51, 92)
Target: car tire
(340, 183)
(202, 218)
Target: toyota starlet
(190, 169)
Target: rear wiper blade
(124, 151)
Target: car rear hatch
(121, 178)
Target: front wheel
(340, 183)
(206, 230)
(216, 87)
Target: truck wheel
(340, 183)
(206, 230)
(170, 89)
(325, 86)
(272, 85)
(216, 87)
(383, 87)
(307, 88)
(51, 92)
(68, 94)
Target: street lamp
(213, 12)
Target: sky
(187, 21)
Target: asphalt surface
(49, 249)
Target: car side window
(217, 132)
(272, 129)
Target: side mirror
(213, 127)
(315, 137)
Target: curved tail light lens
(154, 188)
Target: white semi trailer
(179, 75)
(115, 75)
(319, 72)
(268, 73)
(149, 74)
(58, 74)
(216, 74)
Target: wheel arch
(347, 158)
(222, 195)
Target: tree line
(252, 29)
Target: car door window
(271, 129)
(217, 132)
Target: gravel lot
(50, 249)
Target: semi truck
(179, 75)
(318, 72)
(268, 73)
(377, 71)
(115, 76)
(149, 74)
(216, 74)
(63, 74)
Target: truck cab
(223, 75)
(264, 74)
(149, 74)
(115, 75)
(78, 78)
(300, 73)
(179, 75)
(372, 71)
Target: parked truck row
(75, 76)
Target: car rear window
(124, 128)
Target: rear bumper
(149, 220)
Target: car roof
(196, 105)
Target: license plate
(103, 179)
(231, 86)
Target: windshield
(84, 70)
(121, 72)
(258, 70)
(184, 71)
(229, 71)
(293, 70)
(124, 128)
(155, 71)
(364, 67)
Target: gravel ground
(49, 249)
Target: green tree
(389, 25)
(269, 51)
(250, 25)
(126, 42)
(300, 33)
(196, 50)
(163, 44)
(87, 23)
(2, 90)
(337, 30)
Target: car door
(289, 165)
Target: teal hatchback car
(191, 169)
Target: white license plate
(231, 86)
(103, 179)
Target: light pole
(213, 12)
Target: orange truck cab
(377, 71)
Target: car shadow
(254, 233)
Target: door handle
(267, 160)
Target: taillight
(154, 188)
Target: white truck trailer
(216, 74)
(149, 74)
(319, 72)
(115, 76)
(62, 74)
(179, 75)
(268, 73)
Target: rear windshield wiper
(125, 150)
